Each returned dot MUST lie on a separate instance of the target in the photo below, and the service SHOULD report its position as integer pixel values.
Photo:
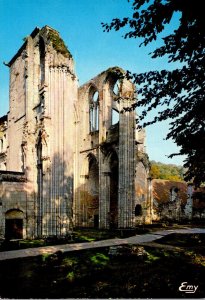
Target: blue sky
(79, 24)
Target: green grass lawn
(94, 274)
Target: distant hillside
(166, 171)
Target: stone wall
(141, 191)
(177, 201)
(3, 142)
(43, 89)
(14, 196)
(112, 145)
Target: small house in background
(177, 201)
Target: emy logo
(188, 288)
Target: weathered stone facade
(3, 142)
(106, 153)
(72, 156)
(177, 201)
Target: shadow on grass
(95, 274)
(183, 239)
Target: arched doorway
(14, 224)
(89, 194)
(93, 192)
(114, 190)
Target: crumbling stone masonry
(69, 156)
(177, 201)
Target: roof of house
(161, 190)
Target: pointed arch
(94, 102)
(89, 191)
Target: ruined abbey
(70, 156)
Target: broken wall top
(52, 40)
(111, 75)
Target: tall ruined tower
(43, 89)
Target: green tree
(181, 91)
(166, 171)
(155, 171)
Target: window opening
(42, 60)
(14, 224)
(138, 210)
(117, 87)
(174, 193)
(95, 97)
(115, 117)
(94, 112)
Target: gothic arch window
(94, 112)
(113, 92)
(116, 87)
(42, 60)
(23, 155)
(174, 193)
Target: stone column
(28, 140)
(104, 199)
(77, 179)
(58, 166)
(126, 196)
(104, 169)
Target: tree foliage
(180, 91)
(166, 171)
